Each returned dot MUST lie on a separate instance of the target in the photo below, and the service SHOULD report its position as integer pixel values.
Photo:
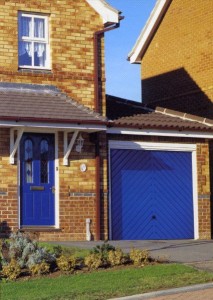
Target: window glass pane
(26, 26)
(25, 53)
(39, 28)
(28, 157)
(40, 55)
(44, 149)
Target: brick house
(75, 164)
(52, 77)
(175, 53)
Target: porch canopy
(32, 107)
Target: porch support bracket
(14, 144)
(68, 148)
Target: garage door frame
(160, 147)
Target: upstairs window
(33, 41)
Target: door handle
(53, 189)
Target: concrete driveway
(199, 252)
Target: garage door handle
(154, 217)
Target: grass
(105, 284)
(77, 252)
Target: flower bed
(22, 256)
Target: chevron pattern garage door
(151, 195)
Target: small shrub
(4, 251)
(11, 271)
(40, 269)
(66, 264)
(57, 250)
(38, 256)
(103, 251)
(93, 261)
(139, 257)
(25, 251)
(116, 257)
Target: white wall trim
(153, 132)
(57, 184)
(68, 148)
(161, 147)
(139, 48)
(107, 12)
(195, 195)
(14, 144)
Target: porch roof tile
(42, 102)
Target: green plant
(57, 250)
(139, 257)
(116, 257)
(93, 261)
(0, 262)
(66, 264)
(25, 251)
(4, 251)
(103, 251)
(40, 269)
(11, 271)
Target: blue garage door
(151, 195)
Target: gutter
(48, 120)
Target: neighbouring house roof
(107, 12)
(42, 103)
(131, 114)
(148, 31)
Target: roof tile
(29, 102)
(130, 114)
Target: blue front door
(151, 195)
(37, 182)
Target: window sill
(40, 228)
(37, 71)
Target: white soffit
(147, 32)
(107, 12)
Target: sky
(122, 78)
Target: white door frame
(113, 144)
(56, 166)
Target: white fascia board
(135, 55)
(53, 126)
(114, 144)
(165, 133)
(107, 12)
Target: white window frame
(33, 39)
